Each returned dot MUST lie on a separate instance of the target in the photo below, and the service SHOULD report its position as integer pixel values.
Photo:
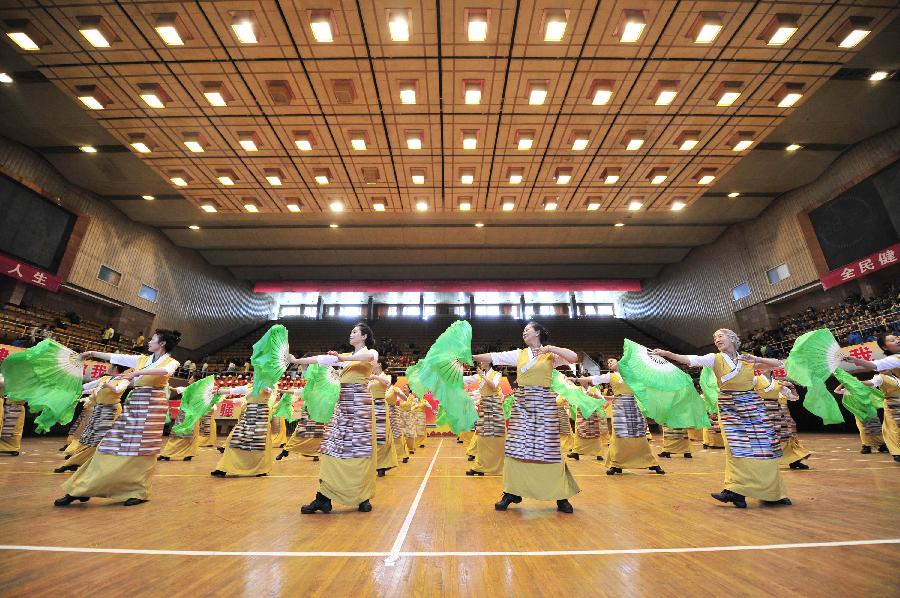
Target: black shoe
(412, 452)
(161, 458)
(65, 468)
(364, 507)
(688, 456)
(282, 455)
(473, 472)
(705, 446)
(470, 458)
(421, 446)
(67, 500)
(798, 465)
(315, 459)
(221, 449)
(260, 475)
(66, 458)
(458, 441)
(63, 448)
(665, 455)
(506, 500)
(866, 450)
(320, 503)
(188, 458)
(133, 501)
(729, 496)
(613, 470)
(896, 458)
(656, 469)
(575, 456)
(783, 501)
(564, 506)
(13, 453)
(406, 459)
(218, 473)
(883, 448)
(380, 472)
(599, 457)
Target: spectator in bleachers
(139, 342)
(231, 366)
(108, 334)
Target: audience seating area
(17, 324)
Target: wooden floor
(635, 534)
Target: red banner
(29, 274)
(878, 260)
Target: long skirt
(628, 444)
(101, 421)
(676, 440)
(533, 466)
(870, 432)
(208, 432)
(279, 432)
(347, 468)
(386, 458)
(307, 437)
(890, 428)
(249, 451)
(712, 436)
(76, 429)
(751, 451)
(12, 426)
(182, 446)
(695, 435)
(489, 455)
(125, 460)
(421, 427)
(589, 435)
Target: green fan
(860, 400)
(508, 405)
(709, 384)
(441, 372)
(47, 377)
(573, 395)
(664, 392)
(197, 400)
(285, 407)
(270, 358)
(812, 360)
(321, 393)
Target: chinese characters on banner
(29, 274)
(878, 260)
(91, 370)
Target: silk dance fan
(270, 358)
(664, 392)
(813, 359)
(321, 393)
(196, 401)
(860, 400)
(285, 407)
(710, 387)
(47, 377)
(573, 395)
(441, 372)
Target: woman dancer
(307, 436)
(379, 382)
(12, 423)
(776, 394)
(106, 396)
(77, 427)
(490, 429)
(408, 418)
(394, 397)
(752, 451)
(534, 467)
(347, 470)
(248, 451)
(675, 440)
(629, 447)
(589, 432)
(181, 446)
(125, 459)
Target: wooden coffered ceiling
(288, 87)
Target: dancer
(534, 466)
(77, 427)
(307, 436)
(105, 398)
(125, 459)
(393, 397)
(208, 432)
(12, 424)
(566, 440)
(408, 418)
(888, 381)
(776, 394)
(675, 440)
(629, 447)
(418, 409)
(184, 447)
(589, 432)
(248, 451)
(752, 452)
(490, 429)
(379, 382)
(347, 468)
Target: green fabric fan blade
(441, 372)
(710, 387)
(812, 360)
(48, 378)
(573, 394)
(196, 401)
(861, 400)
(508, 405)
(285, 407)
(270, 358)
(663, 392)
(321, 393)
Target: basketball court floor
(434, 531)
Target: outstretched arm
(682, 359)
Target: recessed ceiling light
(332, 226)
(658, 179)
(508, 206)
(194, 227)
(226, 180)
(525, 141)
(95, 31)
(358, 144)
(413, 141)
(243, 27)
(91, 97)
(563, 176)
(25, 34)
(733, 194)
(320, 22)
(678, 205)
(665, 92)
(479, 225)
(477, 24)
(398, 24)
(687, 140)
(251, 208)
(853, 31)
(706, 176)
(208, 208)
(303, 141)
(5, 78)
(274, 180)
(550, 204)
(408, 92)
(465, 205)
(593, 206)
(148, 197)
(248, 142)
(178, 181)
(707, 27)
(515, 177)
(321, 179)
(876, 76)
(467, 178)
(472, 92)
(634, 144)
(421, 205)
(780, 29)
(634, 205)
(633, 23)
(293, 208)
(793, 147)
(788, 94)
(88, 149)
(140, 147)
(378, 206)
(152, 98)
(580, 144)
(470, 140)
(215, 94)
(336, 206)
(418, 178)
(537, 93)
(619, 224)
(170, 29)
(194, 145)
(554, 25)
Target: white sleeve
(601, 379)
(496, 379)
(505, 357)
(89, 386)
(887, 363)
(129, 361)
(121, 386)
(469, 379)
(238, 390)
(702, 361)
(171, 366)
(877, 381)
(179, 391)
(327, 360)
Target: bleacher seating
(17, 322)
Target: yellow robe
(13, 442)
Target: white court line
(394, 555)
(599, 552)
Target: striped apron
(349, 434)
(872, 426)
(750, 433)
(380, 406)
(396, 421)
(587, 428)
(205, 424)
(491, 422)
(674, 434)
(565, 427)
(534, 426)
(102, 418)
(138, 431)
(251, 431)
(628, 421)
